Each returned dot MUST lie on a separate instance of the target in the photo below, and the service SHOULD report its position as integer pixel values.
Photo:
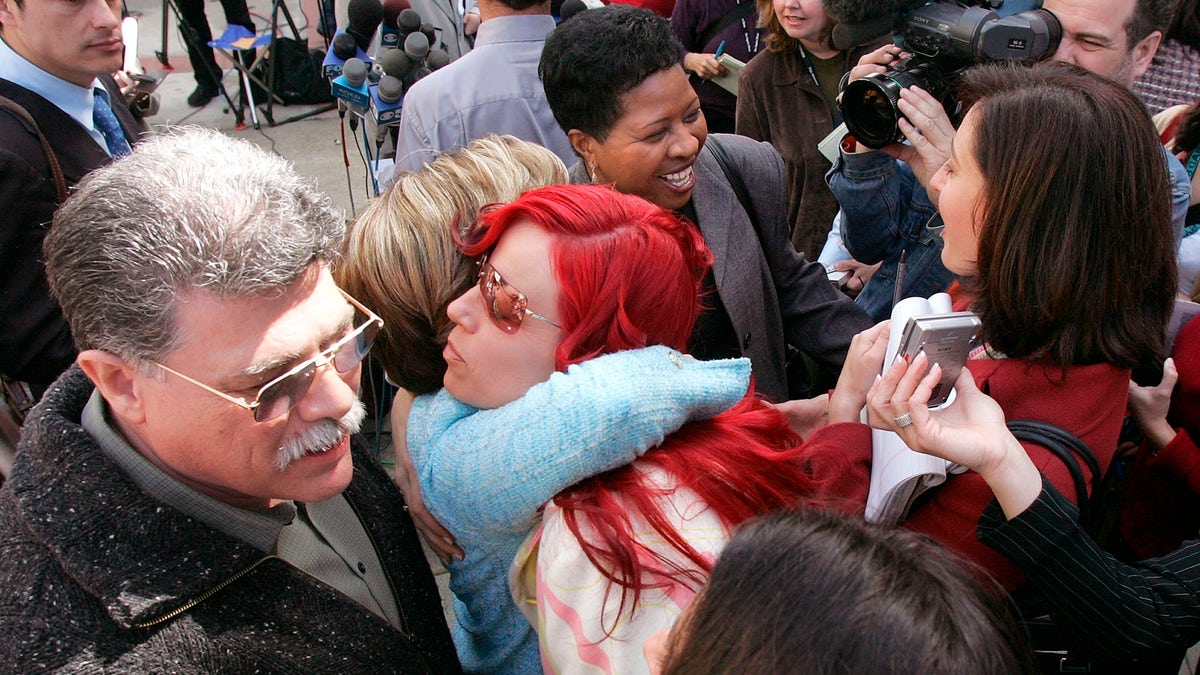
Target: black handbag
(1053, 650)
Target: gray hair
(190, 210)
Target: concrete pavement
(314, 144)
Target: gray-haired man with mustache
(189, 497)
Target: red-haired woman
(572, 273)
(614, 272)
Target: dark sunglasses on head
(504, 302)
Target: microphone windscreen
(395, 63)
(344, 46)
(437, 58)
(364, 19)
(420, 73)
(416, 45)
(390, 89)
(846, 36)
(430, 32)
(855, 11)
(355, 71)
(408, 21)
(392, 9)
(570, 8)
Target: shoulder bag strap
(740, 12)
(60, 183)
(734, 177)
(1067, 447)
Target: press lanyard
(1193, 163)
(834, 111)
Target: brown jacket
(779, 103)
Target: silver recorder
(947, 340)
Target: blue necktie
(108, 126)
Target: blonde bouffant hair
(401, 259)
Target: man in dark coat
(56, 65)
(188, 498)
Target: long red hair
(629, 274)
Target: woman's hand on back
(437, 536)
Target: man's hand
(438, 537)
(703, 65)
(471, 23)
(860, 274)
(876, 62)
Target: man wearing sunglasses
(190, 496)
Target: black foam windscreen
(409, 21)
(344, 46)
(570, 8)
(364, 19)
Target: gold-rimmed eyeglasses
(507, 305)
(283, 393)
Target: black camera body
(943, 37)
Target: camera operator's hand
(860, 274)
(928, 129)
(875, 63)
(703, 65)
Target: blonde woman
(486, 473)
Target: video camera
(943, 37)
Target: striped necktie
(108, 126)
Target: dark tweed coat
(96, 576)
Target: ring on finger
(903, 420)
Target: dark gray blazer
(774, 297)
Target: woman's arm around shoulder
(493, 469)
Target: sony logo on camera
(943, 37)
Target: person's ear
(584, 144)
(6, 12)
(118, 382)
(1143, 53)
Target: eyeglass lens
(507, 304)
(279, 397)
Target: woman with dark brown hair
(1056, 203)
(811, 592)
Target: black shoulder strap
(60, 183)
(740, 12)
(738, 184)
(1066, 446)
(734, 177)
